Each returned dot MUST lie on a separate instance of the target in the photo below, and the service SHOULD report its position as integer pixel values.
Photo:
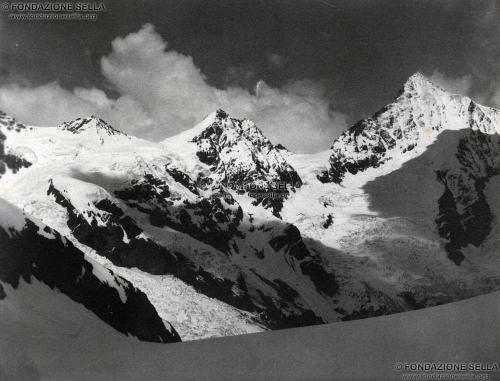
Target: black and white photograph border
(249, 190)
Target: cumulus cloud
(50, 104)
(459, 85)
(161, 92)
(492, 97)
(463, 86)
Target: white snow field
(74, 345)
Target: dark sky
(362, 51)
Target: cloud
(50, 105)
(459, 85)
(44, 105)
(173, 90)
(297, 115)
(161, 92)
(494, 99)
(464, 86)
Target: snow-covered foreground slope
(65, 347)
(38, 265)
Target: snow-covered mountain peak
(417, 77)
(419, 83)
(93, 122)
(222, 150)
(405, 128)
(221, 126)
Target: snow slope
(35, 257)
(194, 315)
(66, 347)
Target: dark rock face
(110, 238)
(213, 219)
(328, 221)
(243, 159)
(291, 240)
(369, 147)
(58, 264)
(448, 223)
(464, 214)
(323, 280)
(182, 178)
(13, 162)
(147, 194)
(215, 224)
(310, 265)
(117, 237)
(106, 231)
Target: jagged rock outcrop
(80, 125)
(241, 158)
(9, 160)
(212, 219)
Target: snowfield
(73, 345)
(194, 315)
